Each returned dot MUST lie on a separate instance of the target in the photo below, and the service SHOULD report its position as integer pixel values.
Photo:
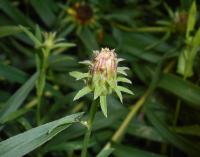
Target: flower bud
(105, 63)
(103, 77)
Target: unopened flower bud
(103, 77)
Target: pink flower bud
(105, 63)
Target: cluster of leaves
(163, 56)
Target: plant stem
(41, 82)
(92, 113)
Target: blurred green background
(159, 40)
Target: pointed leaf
(125, 90)
(119, 94)
(123, 79)
(78, 75)
(24, 143)
(103, 105)
(97, 91)
(120, 60)
(18, 97)
(105, 152)
(87, 62)
(122, 68)
(191, 19)
(9, 30)
(82, 92)
(31, 36)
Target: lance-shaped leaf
(78, 75)
(86, 62)
(123, 79)
(82, 92)
(105, 152)
(24, 143)
(125, 90)
(31, 36)
(121, 70)
(119, 94)
(103, 104)
(97, 91)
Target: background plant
(143, 33)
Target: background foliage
(159, 39)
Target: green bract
(103, 77)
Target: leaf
(141, 131)
(82, 92)
(15, 14)
(9, 30)
(193, 130)
(119, 94)
(63, 45)
(120, 60)
(122, 68)
(78, 75)
(88, 39)
(178, 141)
(15, 115)
(127, 151)
(122, 72)
(123, 79)
(181, 88)
(44, 11)
(191, 19)
(12, 74)
(24, 143)
(125, 90)
(16, 100)
(105, 152)
(87, 62)
(31, 36)
(103, 104)
(97, 91)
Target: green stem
(41, 82)
(92, 113)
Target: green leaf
(16, 100)
(193, 130)
(88, 39)
(12, 74)
(24, 143)
(15, 115)
(87, 62)
(15, 14)
(181, 88)
(125, 90)
(122, 72)
(103, 104)
(178, 141)
(119, 94)
(31, 36)
(127, 151)
(82, 92)
(120, 60)
(63, 45)
(122, 68)
(191, 19)
(44, 11)
(123, 79)
(9, 30)
(97, 91)
(78, 75)
(105, 152)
